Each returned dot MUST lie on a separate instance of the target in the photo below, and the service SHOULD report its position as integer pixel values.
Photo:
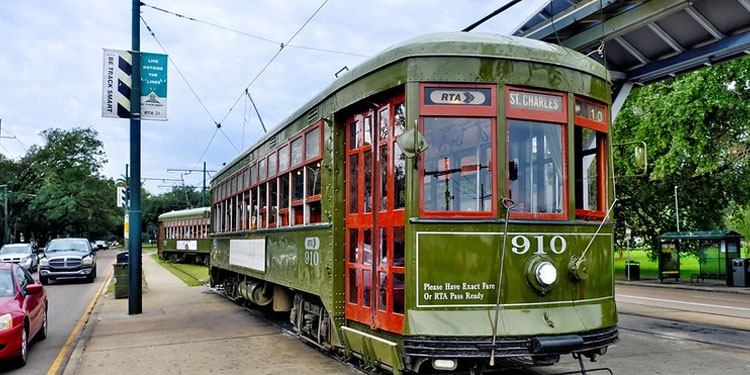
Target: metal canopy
(646, 41)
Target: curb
(73, 362)
(727, 290)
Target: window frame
(601, 155)
(560, 119)
(465, 111)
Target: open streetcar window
(590, 158)
(537, 173)
(458, 174)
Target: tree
(697, 128)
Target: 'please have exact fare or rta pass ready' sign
(117, 84)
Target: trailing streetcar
(443, 205)
(183, 235)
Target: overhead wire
(254, 36)
(26, 150)
(281, 48)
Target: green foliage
(57, 190)
(179, 198)
(696, 128)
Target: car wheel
(42, 334)
(23, 356)
(44, 280)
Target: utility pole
(204, 170)
(134, 250)
(5, 213)
(676, 209)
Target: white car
(25, 254)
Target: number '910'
(522, 244)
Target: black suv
(66, 258)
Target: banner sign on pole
(117, 83)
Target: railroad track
(285, 326)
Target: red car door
(31, 302)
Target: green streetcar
(183, 235)
(376, 213)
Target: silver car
(25, 254)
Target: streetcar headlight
(546, 273)
(444, 364)
(6, 322)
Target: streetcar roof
(190, 213)
(486, 45)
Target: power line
(281, 48)
(254, 36)
(206, 149)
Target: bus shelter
(715, 251)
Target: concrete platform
(188, 330)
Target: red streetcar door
(375, 217)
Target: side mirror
(34, 288)
(412, 143)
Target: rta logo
(312, 243)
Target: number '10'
(522, 244)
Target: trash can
(633, 268)
(741, 272)
(121, 275)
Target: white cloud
(50, 68)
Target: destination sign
(457, 96)
(590, 111)
(535, 101)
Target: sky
(51, 67)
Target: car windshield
(6, 283)
(15, 249)
(68, 245)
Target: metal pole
(676, 209)
(5, 214)
(134, 251)
(203, 201)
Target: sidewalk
(188, 330)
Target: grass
(190, 274)
(688, 264)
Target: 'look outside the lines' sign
(117, 84)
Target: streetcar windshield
(535, 164)
(457, 165)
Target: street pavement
(67, 302)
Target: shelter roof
(646, 40)
(699, 235)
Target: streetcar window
(399, 178)
(398, 293)
(296, 151)
(283, 158)
(245, 179)
(273, 199)
(313, 179)
(367, 124)
(312, 144)
(535, 151)
(354, 135)
(457, 165)
(383, 117)
(353, 290)
(254, 174)
(284, 190)
(399, 119)
(399, 246)
(298, 183)
(383, 179)
(382, 288)
(262, 170)
(353, 183)
(367, 184)
(589, 168)
(254, 209)
(314, 212)
(353, 248)
(366, 288)
(366, 246)
(272, 165)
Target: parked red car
(23, 312)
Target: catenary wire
(216, 130)
(281, 48)
(17, 139)
(254, 36)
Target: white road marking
(684, 302)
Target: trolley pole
(134, 250)
(203, 199)
(676, 209)
(190, 170)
